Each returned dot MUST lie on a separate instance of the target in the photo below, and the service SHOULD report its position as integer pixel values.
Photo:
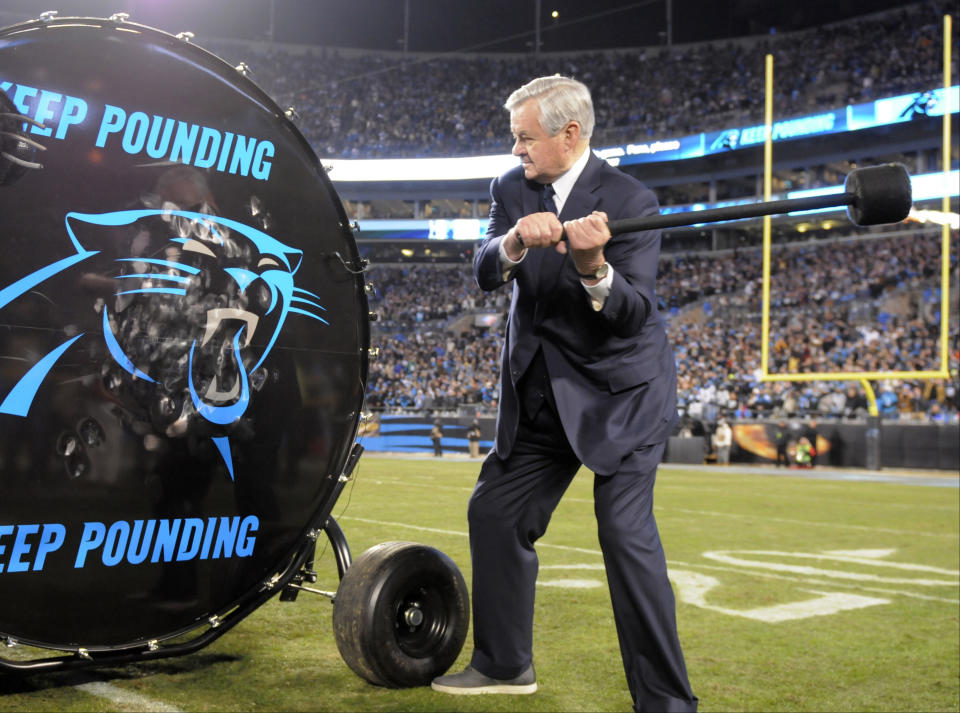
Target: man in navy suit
(587, 377)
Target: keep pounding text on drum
(157, 136)
(26, 547)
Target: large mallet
(873, 196)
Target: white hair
(560, 99)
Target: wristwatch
(600, 273)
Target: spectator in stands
(855, 405)
(935, 390)
(832, 403)
(742, 411)
(588, 377)
(887, 402)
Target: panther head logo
(194, 313)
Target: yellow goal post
(943, 372)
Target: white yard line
(432, 486)
(810, 580)
(124, 700)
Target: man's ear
(571, 133)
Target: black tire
(400, 615)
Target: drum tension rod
(364, 264)
(21, 138)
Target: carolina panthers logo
(726, 140)
(194, 315)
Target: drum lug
(185, 36)
(153, 645)
(272, 582)
(84, 654)
(243, 68)
(291, 113)
(214, 621)
(120, 16)
(48, 16)
(11, 642)
(373, 352)
(306, 574)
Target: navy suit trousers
(510, 509)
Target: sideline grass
(740, 545)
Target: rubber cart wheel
(400, 615)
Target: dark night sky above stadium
(463, 25)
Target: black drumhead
(183, 335)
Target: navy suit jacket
(612, 372)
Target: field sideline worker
(723, 439)
(473, 438)
(587, 377)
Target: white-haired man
(587, 378)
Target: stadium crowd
(831, 311)
(362, 105)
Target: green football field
(794, 594)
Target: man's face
(544, 158)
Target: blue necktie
(546, 199)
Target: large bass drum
(183, 337)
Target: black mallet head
(879, 194)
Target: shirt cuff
(599, 292)
(506, 264)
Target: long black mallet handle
(873, 196)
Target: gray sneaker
(471, 682)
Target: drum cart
(184, 348)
